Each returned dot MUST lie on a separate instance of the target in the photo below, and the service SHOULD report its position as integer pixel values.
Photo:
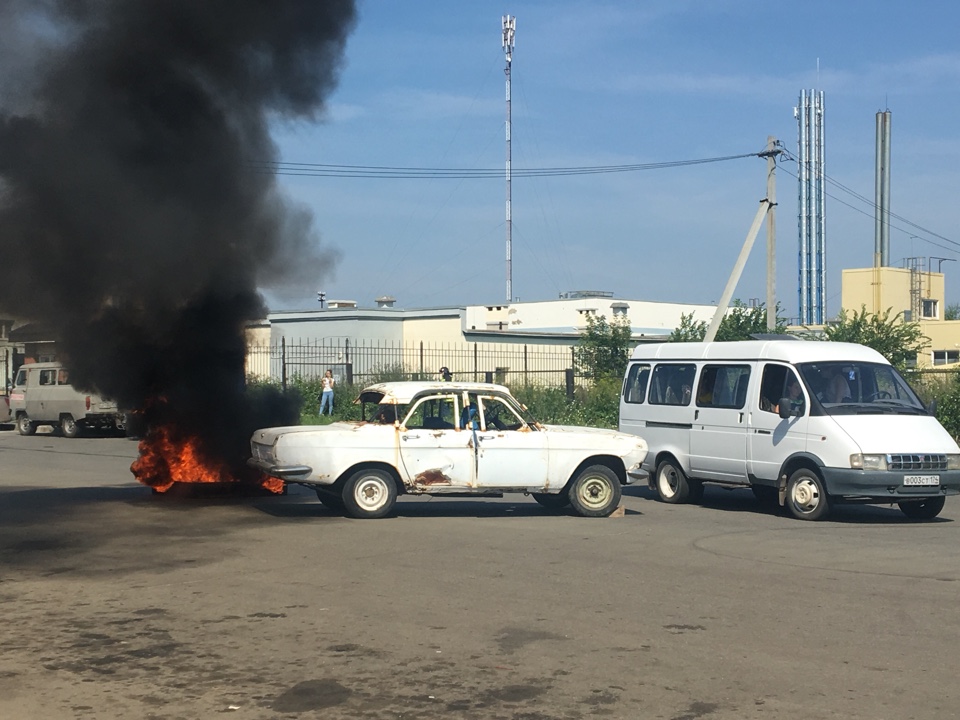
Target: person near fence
(445, 374)
(326, 392)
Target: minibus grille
(916, 462)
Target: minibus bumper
(880, 484)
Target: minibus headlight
(953, 462)
(868, 462)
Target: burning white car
(450, 439)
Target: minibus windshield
(856, 388)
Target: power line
(438, 173)
(873, 206)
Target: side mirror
(787, 411)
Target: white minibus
(806, 424)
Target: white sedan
(452, 439)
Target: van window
(48, 377)
(844, 388)
(635, 388)
(776, 385)
(63, 377)
(671, 384)
(723, 386)
(21, 378)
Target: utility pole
(509, 28)
(764, 211)
(771, 152)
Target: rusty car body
(452, 439)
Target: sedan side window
(497, 414)
(433, 413)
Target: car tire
(595, 491)
(925, 509)
(369, 494)
(329, 499)
(672, 484)
(556, 501)
(69, 427)
(807, 497)
(25, 426)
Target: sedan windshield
(851, 388)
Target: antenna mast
(509, 28)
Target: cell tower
(812, 284)
(509, 28)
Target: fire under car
(450, 439)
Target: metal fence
(361, 362)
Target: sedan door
(436, 456)
(511, 453)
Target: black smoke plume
(132, 221)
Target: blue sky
(615, 83)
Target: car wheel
(330, 499)
(69, 427)
(556, 501)
(595, 492)
(369, 494)
(672, 484)
(925, 509)
(24, 426)
(807, 498)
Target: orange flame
(167, 458)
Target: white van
(42, 395)
(850, 429)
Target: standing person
(445, 374)
(326, 392)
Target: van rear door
(718, 438)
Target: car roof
(791, 351)
(401, 393)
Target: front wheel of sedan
(595, 492)
(369, 494)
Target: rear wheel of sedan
(925, 509)
(69, 427)
(595, 492)
(369, 493)
(556, 501)
(25, 426)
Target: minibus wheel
(69, 427)
(672, 485)
(807, 498)
(925, 509)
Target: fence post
(349, 373)
(283, 362)
(568, 373)
(421, 359)
(526, 380)
(488, 376)
(476, 362)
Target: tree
(894, 338)
(740, 323)
(952, 312)
(604, 348)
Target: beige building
(918, 294)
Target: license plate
(923, 480)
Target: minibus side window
(48, 377)
(723, 386)
(635, 388)
(671, 384)
(775, 386)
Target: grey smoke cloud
(130, 218)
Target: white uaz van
(805, 423)
(42, 395)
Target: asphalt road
(117, 603)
